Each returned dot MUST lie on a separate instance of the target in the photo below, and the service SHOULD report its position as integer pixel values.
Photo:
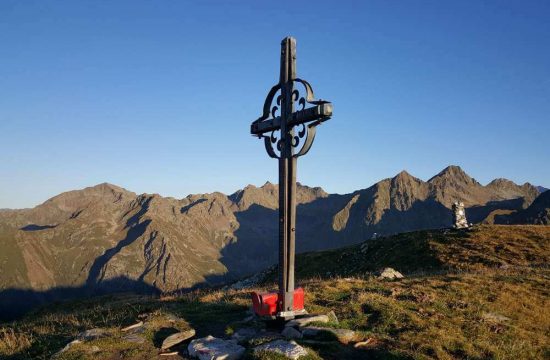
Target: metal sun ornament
(288, 120)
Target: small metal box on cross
(288, 133)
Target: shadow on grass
(207, 318)
(332, 349)
(162, 334)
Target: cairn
(459, 216)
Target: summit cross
(288, 133)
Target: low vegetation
(480, 294)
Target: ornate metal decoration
(288, 126)
(302, 123)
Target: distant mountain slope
(105, 238)
(537, 213)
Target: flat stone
(132, 327)
(173, 353)
(92, 334)
(133, 338)
(367, 344)
(390, 274)
(177, 338)
(211, 348)
(286, 348)
(303, 321)
(291, 333)
(66, 348)
(492, 317)
(343, 335)
(244, 334)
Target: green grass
(439, 311)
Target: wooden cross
(282, 116)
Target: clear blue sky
(158, 96)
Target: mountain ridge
(89, 238)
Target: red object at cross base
(269, 304)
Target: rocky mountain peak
(501, 182)
(453, 174)
(403, 178)
(268, 195)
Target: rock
(211, 348)
(177, 338)
(92, 334)
(133, 338)
(390, 274)
(132, 327)
(173, 353)
(367, 344)
(291, 333)
(244, 334)
(492, 317)
(303, 321)
(343, 335)
(332, 317)
(66, 348)
(286, 348)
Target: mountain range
(105, 238)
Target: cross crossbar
(318, 113)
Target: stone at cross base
(459, 216)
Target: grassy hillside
(466, 295)
(486, 246)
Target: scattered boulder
(390, 274)
(132, 327)
(290, 349)
(244, 334)
(343, 335)
(177, 338)
(211, 348)
(496, 318)
(291, 333)
(66, 348)
(303, 321)
(92, 334)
